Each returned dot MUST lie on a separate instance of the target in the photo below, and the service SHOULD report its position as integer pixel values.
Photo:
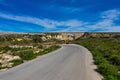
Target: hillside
(101, 35)
(105, 48)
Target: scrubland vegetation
(106, 53)
(105, 48)
(17, 49)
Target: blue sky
(59, 15)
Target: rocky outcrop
(62, 36)
(6, 58)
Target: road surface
(71, 62)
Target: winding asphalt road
(71, 62)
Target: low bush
(106, 55)
(16, 62)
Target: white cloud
(72, 23)
(106, 22)
(113, 29)
(111, 14)
(47, 23)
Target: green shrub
(6, 48)
(107, 69)
(111, 77)
(16, 62)
(115, 59)
(27, 55)
(106, 55)
(40, 47)
(2, 67)
(50, 49)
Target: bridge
(74, 35)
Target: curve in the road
(71, 62)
